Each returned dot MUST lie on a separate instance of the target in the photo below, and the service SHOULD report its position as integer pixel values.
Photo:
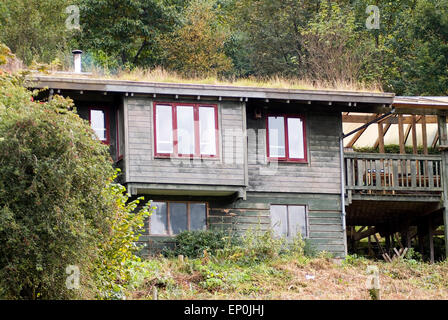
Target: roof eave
(182, 89)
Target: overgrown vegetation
(192, 244)
(277, 272)
(315, 41)
(251, 247)
(59, 205)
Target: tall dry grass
(278, 82)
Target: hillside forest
(331, 42)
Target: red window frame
(286, 158)
(197, 140)
(106, 121)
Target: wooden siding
(324, 217)
(142, 167)
(322, 173)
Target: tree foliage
(314, 40)
(124, 32)
(59, 205)
(35, 29)
(197, 47)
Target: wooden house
(246, 157)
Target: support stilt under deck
(443, 141)
(431, 240)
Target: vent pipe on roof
(77, 60)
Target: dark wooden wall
(143, 167)
(315, 184)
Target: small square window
(289, 220)
(286, 138)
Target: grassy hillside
(287, 277)
(260, 266)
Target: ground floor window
(288, 220)
(171, 218)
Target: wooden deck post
(443, 140)
(387, 239)
(414, 134)
(381, 137)
(408, 238)
(431, 239)
(424, 135)
(421, 239)
(401, 134)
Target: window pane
(159, 218)
(164, 129)
(279, 220)
(276, 136)
(295, 138)
(197, 216)
(185, 130)
(297, 221)
(98, 123)
(178, 217)
(207, 130)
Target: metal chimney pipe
(77, 60)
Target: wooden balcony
(377, 174)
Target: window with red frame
(286, 138)
(185, 130)
(99, 122)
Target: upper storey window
(286, 138)
(99, 121)
(185, 130)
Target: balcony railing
(392, 174)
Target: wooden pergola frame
(403, 135)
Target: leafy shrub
(261, 246)
(118, 250)
(413, 256)
(193, 243)
(257, 246)
(253, 246)
(309, 249)
(355, 260)
(59, 205)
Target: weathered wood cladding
(322, 173)
(143, 167)
(315, 184)
(324, 217)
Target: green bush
(59, 205)
(193, 243)
(118, 249)
(258, 246)
(261, 246)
